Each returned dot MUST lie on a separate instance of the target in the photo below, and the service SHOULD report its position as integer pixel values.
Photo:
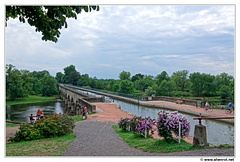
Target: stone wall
(174, 99)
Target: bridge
(75, 100)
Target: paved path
(215, 112)
(95, 137)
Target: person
(32, 120)
(41, 116)
(207, 105)
(230, 106)
(39, 113)
(85, 111)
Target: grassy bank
(42, 147)
(155, 145)
(151, 144)
(31, 99)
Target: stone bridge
(75, 100)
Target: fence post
(179, 132)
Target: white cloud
(147, 38)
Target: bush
(124, 123)
(137, 124)
(168, 122)
(51, 126)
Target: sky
(146, 39)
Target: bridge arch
(75, 100)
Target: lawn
(152, 145)
(30, 99)
(43, 147)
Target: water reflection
(21, 112)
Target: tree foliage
(48, 86)
(47, 19)
(124, 75)
(22, 83)
(180, 78)
(179, 84)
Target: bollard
(200, 136)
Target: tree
(137, 77)
(166, 87)
(39, 74)
(47, 19)
(48, 86)
(126, 86)
(202, 84)
(149, 91)
(19, 83)
(225, 85)
(161, 77)
(14, 83)
(180, 78)
(225, 91)
(74, 77)
(209, 89)
(84, 80)
(124, 75)
(59, 77)
(197, 82)
(67, 73)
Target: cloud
(137, 38)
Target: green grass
(152, 145)
(78, 118)
(12, 125)
(30, 99)
(43, 147)
(159, 146)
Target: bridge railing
(201, 118)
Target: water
(217, 132)
(21, 112)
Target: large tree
(47, 19)
(124, 75)
(126, 86)
(48, 86)
(161, 77)
(180, 78)
(67, 73)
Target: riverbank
(31, 99)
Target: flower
(169, 122)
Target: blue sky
(146, 39)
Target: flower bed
(167, 124)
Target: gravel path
(96, 138)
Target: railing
(200, 118)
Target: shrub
(144, 126)
(124, 123)
(168, 122)
(51, 126)
(137, 124)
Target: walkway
(95, 137)
(215, 112)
